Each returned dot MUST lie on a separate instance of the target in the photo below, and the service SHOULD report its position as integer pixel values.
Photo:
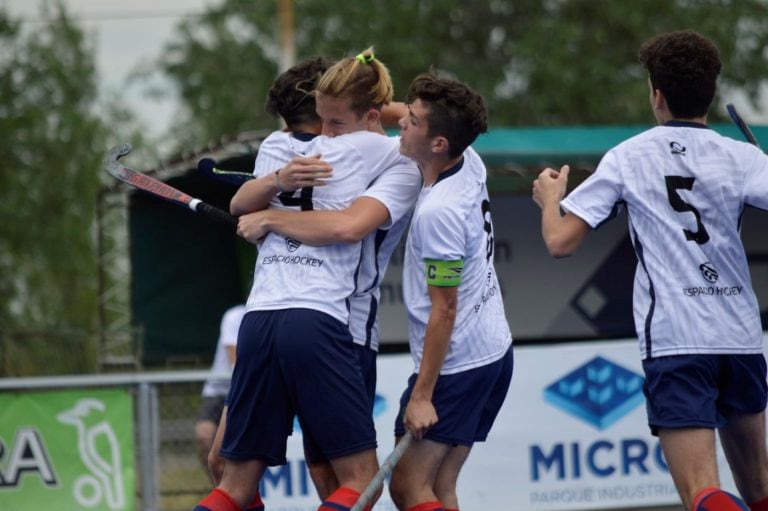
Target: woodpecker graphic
(100, 453)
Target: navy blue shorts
(367, 358)
(367, 361)
(702, 391)
(296, 362)
(466, 403)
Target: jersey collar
(303, 136)
(451, 171)
(685, 124)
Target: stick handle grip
(216, 213)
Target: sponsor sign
(68, 450)
(572, 435)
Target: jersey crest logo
(292, 245)
(708, 272)
(676, 148)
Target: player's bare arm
(317, 228)
(420, 413)
(392, 113)
(562, 234)
(300, 172)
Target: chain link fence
(168, 475)
(182, 480)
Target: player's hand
(251, 227)
(303, 172)
(419, 416)
(549, 187)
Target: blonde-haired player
(300, 355)
(354, 94)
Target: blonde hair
(363, 79)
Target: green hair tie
(365, 59)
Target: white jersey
(685, 188)
(452, 221)
(290, 274)
(230, 326)
(397, 189)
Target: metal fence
(168, 476)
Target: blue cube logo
(598, 392)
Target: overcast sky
(129, 32)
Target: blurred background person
(215, 390)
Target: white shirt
(452, 221)
(397, 189)
(290, 274)
(230, 326)
(685, 188)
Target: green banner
(67, 450)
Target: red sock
(427, 506)
(256, 503)
(341, 500)
(217, 500)
(715, 499)
(759, 505)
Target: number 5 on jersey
(675, 183)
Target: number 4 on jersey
(303, 201)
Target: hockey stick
(158, 188)
(208, 167)
(384, 471)
(739, 122)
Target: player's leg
(320, 469)
(205, 431)
(690, 456)
(352, 469)
(215, 461)
(743, 437)
(333, 407)
(259, 416)
(205, 425)
(496, 377)
(238, 487)
(323, 477)
(467, 404)
(353, 472)
(413, 478)
(682, 393)
(743, 440)
(448, 476)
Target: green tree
(50, 174)
(536, 62)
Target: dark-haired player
(458, 334)
(685, 188)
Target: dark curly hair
(291, 95)
(456, 112)
(684, 66)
